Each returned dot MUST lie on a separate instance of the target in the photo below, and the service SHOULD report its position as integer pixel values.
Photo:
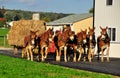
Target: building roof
(70, 19)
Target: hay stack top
(22, 28)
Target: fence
(4, 41)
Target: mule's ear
(93, 28)
(85, 30)
(101, 28)
(31, 31)
(52, 28)
(36, 31)
(106, 27)
(89, 28)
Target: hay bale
(22, 28)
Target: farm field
(21, 68)
(3, 37)
(4, 32)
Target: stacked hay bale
(22, 28)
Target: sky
(58, 6)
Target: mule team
(80, 45)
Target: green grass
(21, 68)
(4, 32)
(4, 41)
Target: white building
(36, 16)
(107, 13)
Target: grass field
(3, 37)
(4, 32)
(21, 68)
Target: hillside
(21, 14)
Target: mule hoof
(42, 59)
(45, 57)
(78, 60)
(74, 60)
(90, 60)
(68, 58)
(28, 59)
(108, 60)
(65, 60)
(102, 61)
(58, 58)
(84, 59)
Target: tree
(1, 15)
(1, 24)
(27, 15)
(91, 10)
(16, 18)
(46, 19)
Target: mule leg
(107, 54)
(102, 57)
(89, 54)
(80, 53)
(98, 58)
(28, 56)
(65, 53)
(74, 58)
(38, 57)
(92, 54)
(46, 52)
(85, 53)
(31, 54)
(23, 52)
(57, 55)
(42, 55)
(15, 50)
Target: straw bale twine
(22, 28)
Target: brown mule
(92, 43)
(62, 38)
(79, 44)
(103, 43)
(44, 42)
(85, 44)
(29, 45)
(72, 46)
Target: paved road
(112, 67)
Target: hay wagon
(22, 28)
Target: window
(112, 33)
(109, 2)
